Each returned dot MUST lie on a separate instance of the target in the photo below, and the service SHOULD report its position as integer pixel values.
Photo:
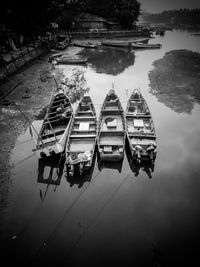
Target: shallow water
(116, 215)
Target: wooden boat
(117, 43)
(80, 147)
(140, 128)
(71, 60)
(86, 45)
(111, 136)
(141, 45)
(141, 40)
(53, 134)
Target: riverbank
(175, 80)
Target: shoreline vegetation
(175, 80)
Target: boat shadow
(145, 166)
(50, 170)
(78, 179)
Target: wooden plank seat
(142, 135)
(83, 136)
(56, 133)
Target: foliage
(27, 17)
(182, 16)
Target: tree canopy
(29, 16)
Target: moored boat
(141, 45)
(111, 126)
(52, 137)
(140, 128)
(71, 60)
(117, 43)
(86, 45)
(80, 147)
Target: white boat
(140, 129)
(80, 147)
(111, 126)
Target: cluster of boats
(77, 135)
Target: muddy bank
(30, 95)
(175, 80)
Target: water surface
(116, 215)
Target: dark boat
(140, 128)
(111, 136)
(52, 137)
(145, 46)
(86, 45)
(80, 147)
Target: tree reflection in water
(110, 60)
(175, 80)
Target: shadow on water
(145, 166)
(110, 60)
(78, 179)
(50, 171)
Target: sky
(156, 6)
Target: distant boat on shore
(150, 46)
(86, 45)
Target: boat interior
(112, 127)
(53, 126)
(84, 128)
(140, 126)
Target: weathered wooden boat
(117, 43)
(80, 147)
(52, 137)
(141, 40)
(144, 46)
(111, 127)
(71, 60)
(86, 45)
(140, 128)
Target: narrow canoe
(117, 43)
(141, 45)
(86, 45)
(140, 128)
(52, 137)
(111, 126)
(80, 147)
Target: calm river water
(118, 215)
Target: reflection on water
(110, 60)
(175, 80)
